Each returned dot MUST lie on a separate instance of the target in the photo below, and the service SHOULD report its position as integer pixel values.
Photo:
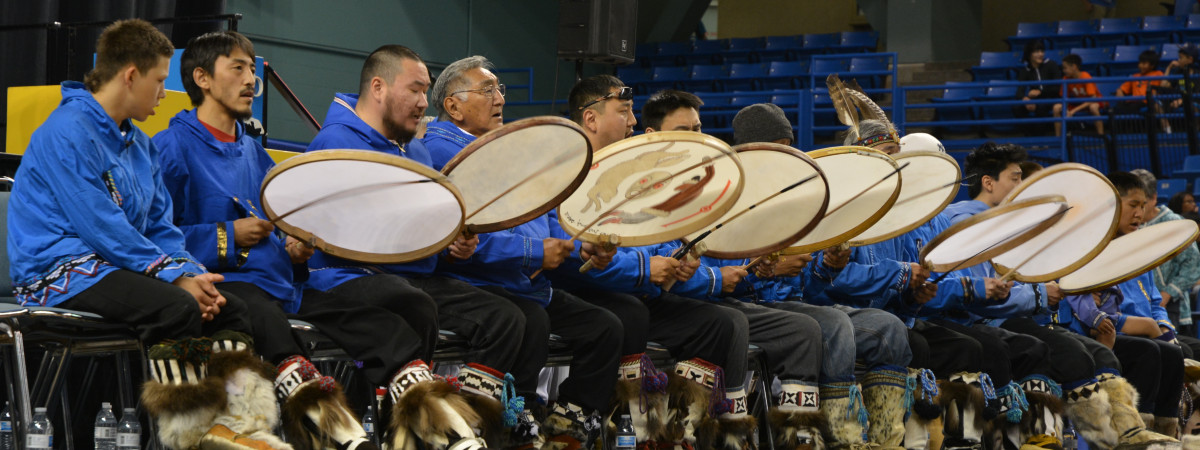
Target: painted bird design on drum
(610, 181)
(688, 191)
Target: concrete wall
(1002, 16)
(753, 18)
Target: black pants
(688, 328)
(1072, 362)
(593, 334)
(492, 326)
(942, 350)
(1009, 355)
(155, 309)
(1155, 368)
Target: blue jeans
(875, 336)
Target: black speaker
(597, 30)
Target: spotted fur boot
(695, 389)
(315, 413)
(641, 392)
(1123, 399)
(570, 427)
(842, 406)
(800, 421)
(884, 392)
(428, 412)
(179, 396)
(251, 411)
(1043, 424)
(963, 398)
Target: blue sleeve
(1146, 282)
(628, 272)
(336, 137)
(507, 247)
(705, 284)
(859, 281)
(212, 244)
(1084, 310)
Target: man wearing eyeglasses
(470, 102)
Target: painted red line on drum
(703, 208)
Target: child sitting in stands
(1072, 69)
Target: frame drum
(363, 205)
(982, 236)
(1131, 255)
(653, 188)
(851, 171)
(519, 171)
(931, 180)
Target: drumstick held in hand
(696, 251)
(349, 193)
(1002, 241)
(687, 248)
(553, 163)
(1013, 271)
(868, 189)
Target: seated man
(89, 228)
(1072, 70)
(213, 170)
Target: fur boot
(799, 430)
(694, 391)
(179, 396)
(569, 427)
(483, 389)
(922, 411)
(734, 428)
(842, 405)
(315, 413)
(1191, 380)
(962, 402)
(1123, 398)
(1004, 432)
(1090, 412)
(251, 411)
(884, 391)
(1042, 424)
(428, 412)
(641, 392)
(1167, 426)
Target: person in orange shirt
(1147, 67)
(1071, 67)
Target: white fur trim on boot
(428, 409)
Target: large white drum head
(363, 205)
(1131, 255)
(775, 223)
(931, 179)
(851, 171)
(1082, 233)
(653, 188)
(519, 171)
(982, 236)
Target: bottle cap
(380, 391)
(40, 410)
(624, 416)
(130, 410)
(106, 405)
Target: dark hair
(1125, 182)
(1073, 59)
(589, 89)
(125, 42)
(990, 159)
(202, 51)
(1176, 201)
(385, 62)
(666, 102)
(1030, 47)
(1029, 168)
(1190, 50)
(1149, 56)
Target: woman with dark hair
(1182, 203)
(1037, 68)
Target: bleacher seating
(998, 112)
(1030, 31)
(1072, 34)
(1125, 59)
(1158, 30)
(996, 65)
(745, 77)
(786, 75)
(1095, 60)
(956, 104)
(1190, 170)
(1170, 186)
(1114, 32)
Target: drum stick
(1006, 239)
(868, 189)
(694, 254)
(610, 242)
(350, 193)
(1013, 272)
(636, 195)
(553, 163)
(914, 197)
(687, 248)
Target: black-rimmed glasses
(626, 93)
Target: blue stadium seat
(1114, 32)
(1073, 34)
(741, 50)
(744, 77)
(704, 52)
(997, 112)
(858, 41)
(869, 67)
(705, 77)
(670, 53)
(1057, 55)
(743, 99)
(1168, 187)
(1158, 30)
(1170, 52)
(1095, 60)
(1030, 31)
(821, 43)
(781, 48)
(1191, 31)
(632, 74)
(1125, 58)
(958, 104)
(746, 44)
(825, 66)
(1190, 170)
(786, 75)
(668, 78)
(789, 102)
(996, 65)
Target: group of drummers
(885, 315)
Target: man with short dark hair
(1072, 68)
(672, 110)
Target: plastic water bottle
(40, 435)
(1070, 440)
(106, 428)
(368, 423)
(6, 429)
(129, 432)
(626, 438)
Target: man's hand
(1053, 294)
(996, 290)
(1166, 298)
(298, 251)
(555, 251)
(1106, 326)
(919, 274)
(784, 266)
(663, 268)
(462, 248)
(597, 254)
(687, 269)
(731, 276)
(1033, 93)
(250, 230)
(202, 289)
(835, 258)
(924, 293)
(1106, 333)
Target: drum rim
(927, 217)
(511, 128)
(988, 215)
(657, 238)
(367, 156)
(870, 222)
(771, 146)
(1140, 270)
(1091, 254)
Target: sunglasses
(626, 93)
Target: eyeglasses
(489, 92)
(626, 93)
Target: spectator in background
(1072, 69)
(1186, 64)
(1175, 277)
(1147, 67)
(1183, 203)
(1037, 68)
